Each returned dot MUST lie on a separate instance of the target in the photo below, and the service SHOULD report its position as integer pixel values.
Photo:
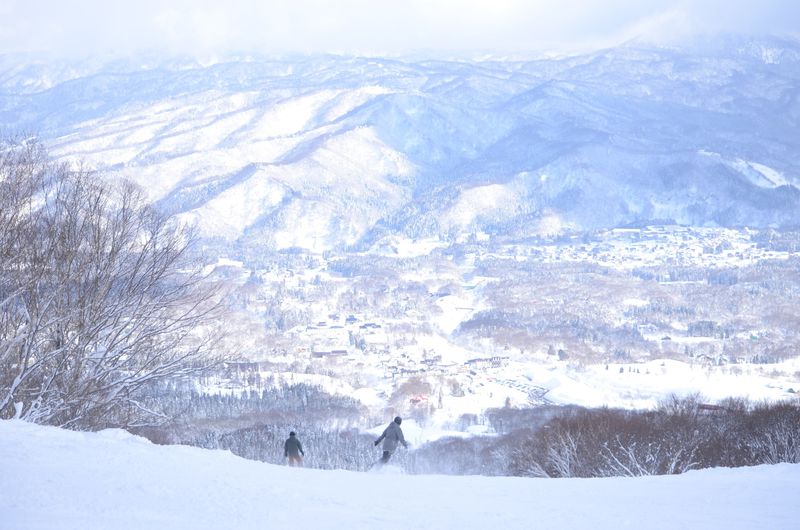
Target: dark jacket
(391, 437)
(293, 447)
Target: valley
(619, 318)
(437, 237)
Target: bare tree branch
(97, 297)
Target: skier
(391, 436)
(292, 449)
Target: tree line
(255, 425)
(681, 434)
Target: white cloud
(371, 26)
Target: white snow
(776, 178)
(243, 156)
(759, 174)
(643, 385)
(495, 199)
(635, 302)
(403, 247)
(455, 310)
(52, 478)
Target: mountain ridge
(330, 152)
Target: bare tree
(98, 299)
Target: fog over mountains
(330, 152)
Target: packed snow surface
(52, 478)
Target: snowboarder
(293, 449)
(391, 436)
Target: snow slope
(53, 478)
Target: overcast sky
(100, 27)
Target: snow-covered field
(57, 479)
(643, 385)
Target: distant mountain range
(330, 152)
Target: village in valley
(419, 326)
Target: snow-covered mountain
(324, 152)
(54, 478)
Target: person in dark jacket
(391, 436)
(293, 450)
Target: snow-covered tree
(97, 299)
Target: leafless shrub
(771, 434)
(682, 434)
(596, 443)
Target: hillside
(54, 478)
(327, 152)
(443, 224)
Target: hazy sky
(80, 27)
